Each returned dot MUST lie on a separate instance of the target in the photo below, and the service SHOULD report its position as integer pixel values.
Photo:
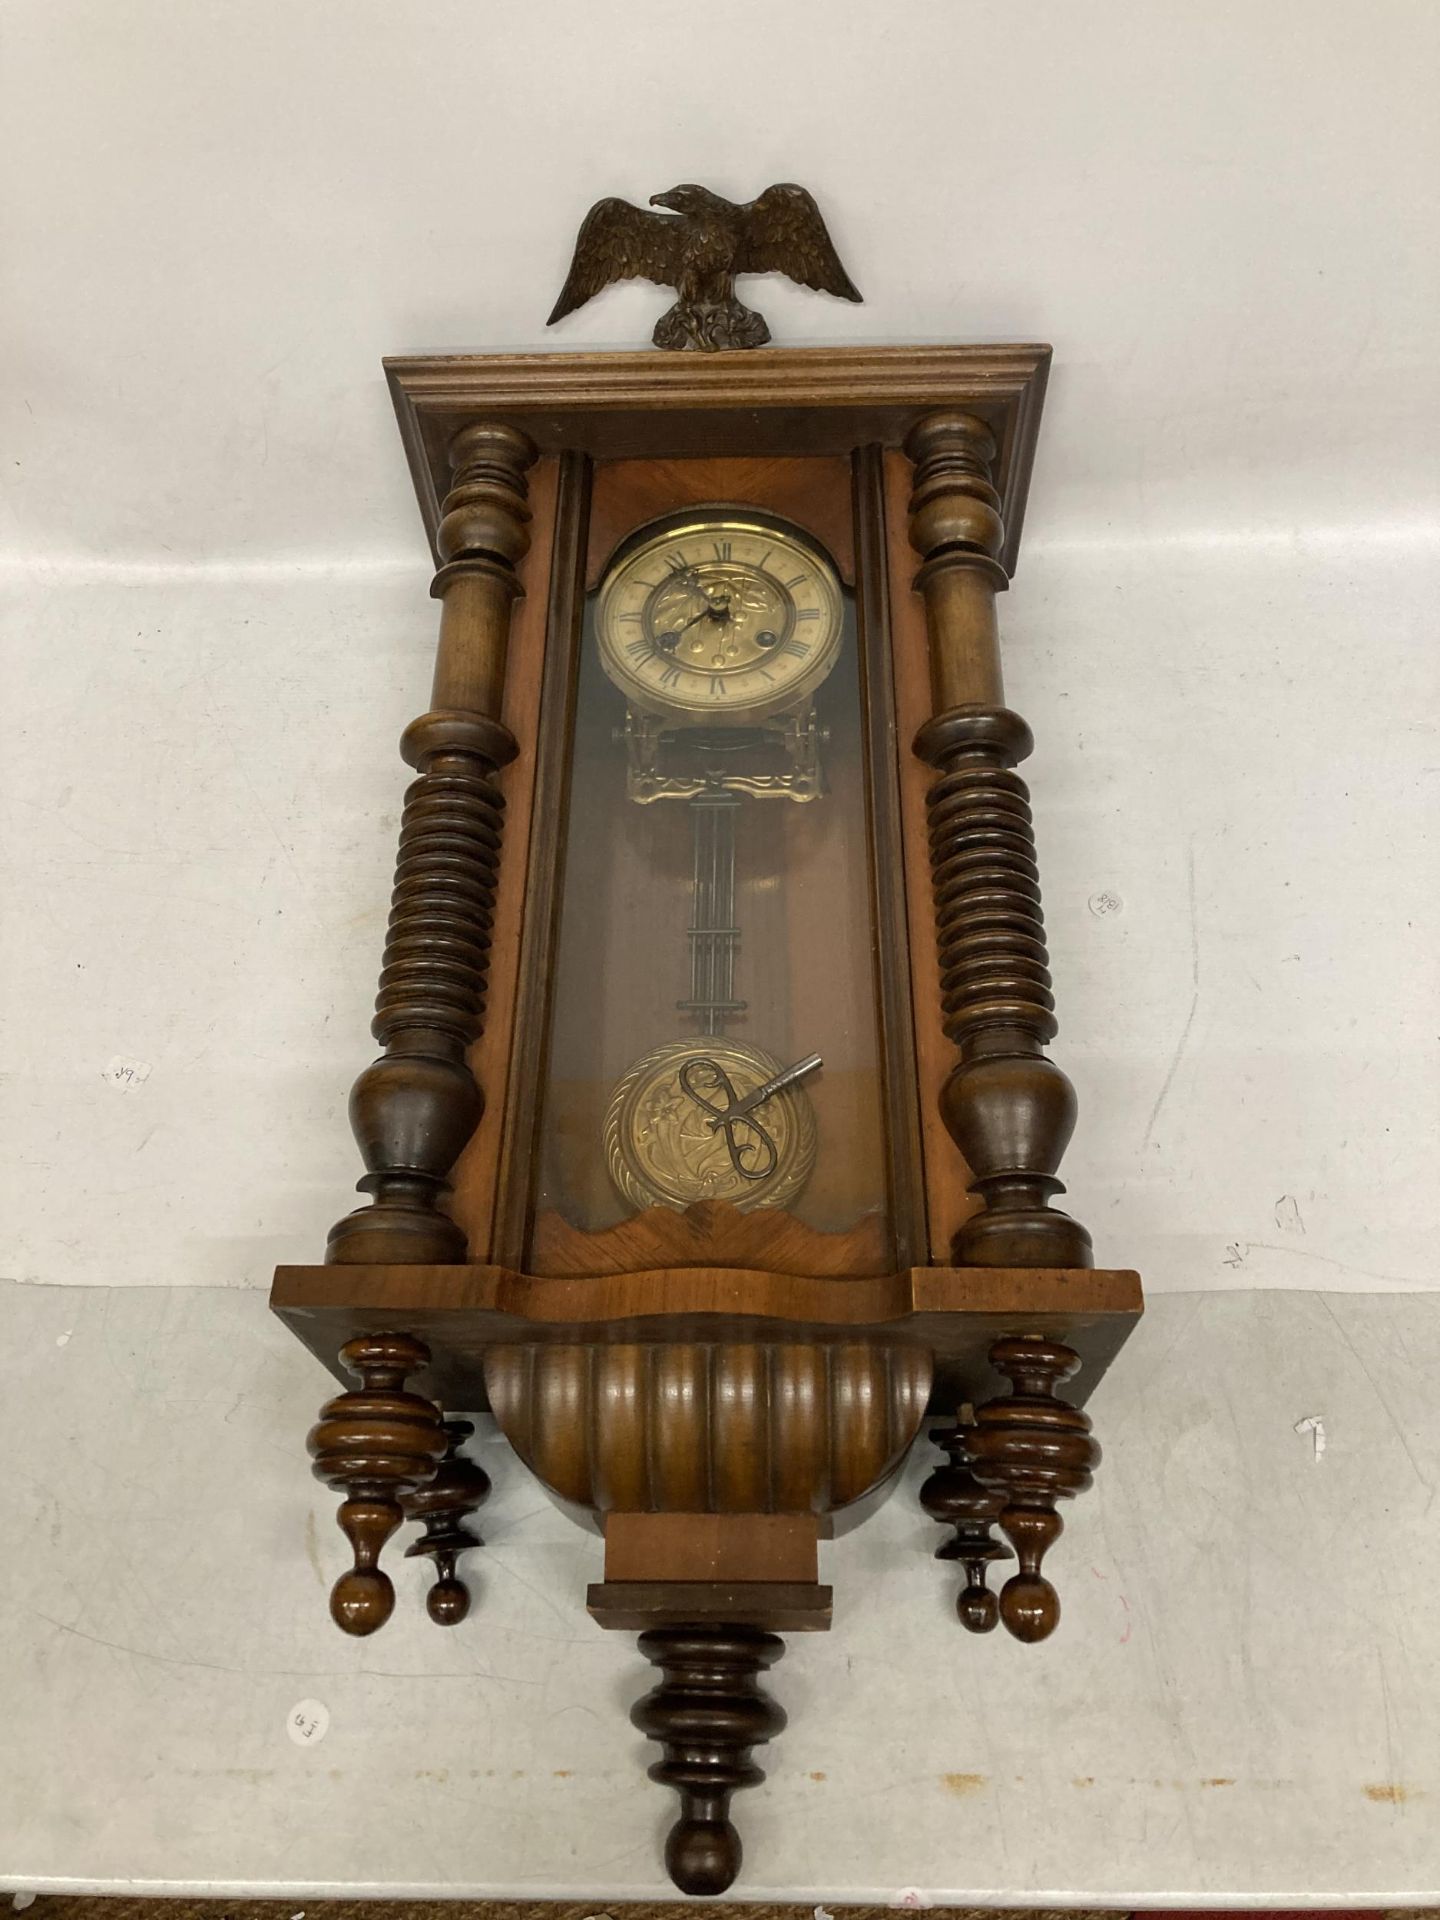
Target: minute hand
(768, 1089)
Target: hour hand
(769, 1088)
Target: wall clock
(714, 1145)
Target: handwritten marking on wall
(308, 1722)
(124, 1074)
(1287, 1214)
(1315, 1427)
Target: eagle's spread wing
(618, 242)
(782, 232)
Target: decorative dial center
(718, 616)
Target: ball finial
(362, 1600)
(977, 1607)
(448, 1602)
(703, 1856)
(1030, 1607)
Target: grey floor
(1239, 1707)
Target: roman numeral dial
(725, 620)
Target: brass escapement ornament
(698, 248)
(710, 1120)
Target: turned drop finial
(707, 1713)
(953, 1496)
(375, 1444)
(1031, 1448)
(458, 1488)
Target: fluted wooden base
(955, 1314)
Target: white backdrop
(216, 218)
(220, 216)
(1222, 628)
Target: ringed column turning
(1008, 1108)
(413, 1109)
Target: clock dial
(720, 618)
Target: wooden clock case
(714, 1385)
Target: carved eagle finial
(699, 247)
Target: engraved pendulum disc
(662, 1149)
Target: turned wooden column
(414, 1108)
(1008, 1108)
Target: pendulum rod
(714, 935)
